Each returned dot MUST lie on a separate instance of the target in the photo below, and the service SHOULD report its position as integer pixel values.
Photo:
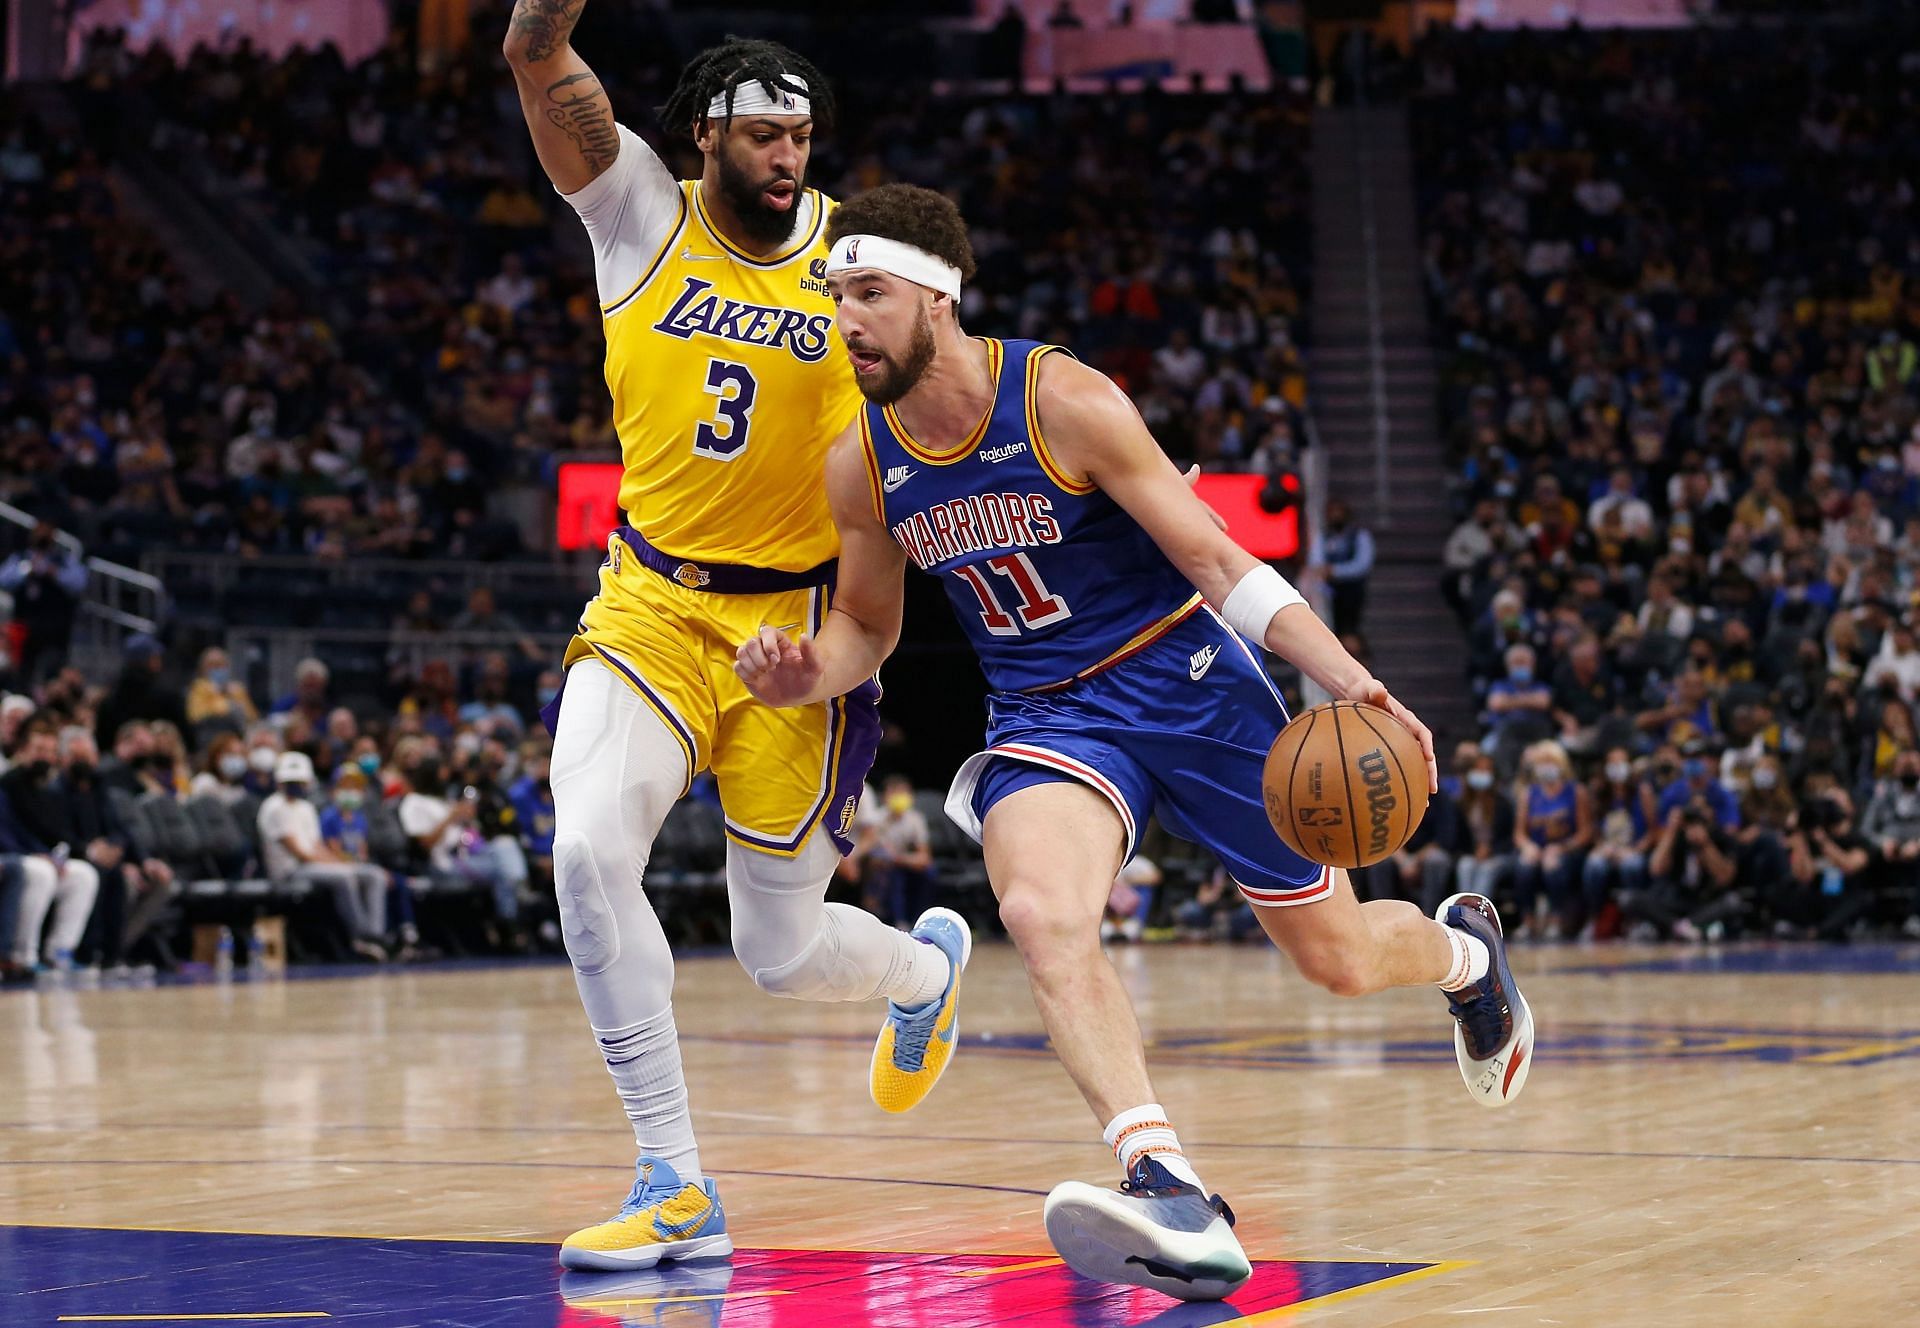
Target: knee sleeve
(617, 771)
(790, 941)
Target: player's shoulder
(1070, 393)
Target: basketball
(1345, 784)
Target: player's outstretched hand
(778, 669)
(1374, 692)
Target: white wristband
(1261, 593)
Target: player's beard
(747, 197)
(896, 380)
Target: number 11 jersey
(1051, 580)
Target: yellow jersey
(729, 382)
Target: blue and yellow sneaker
(663, 1218)
(671, 1296)
(1158, 1232)
(1493, 1028)
(914, 1049)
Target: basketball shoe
(663, 1218)
(1493, 1028)
(1157, 1231)
(914, 1048)
(670, 1296)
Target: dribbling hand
(777, 669)
(1374, 692)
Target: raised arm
(863, 626)
(1092, 428)
(566, 108)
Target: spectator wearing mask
(1584, 698)
(38, 804)
(1486, 833)
(1831, 891)
(46, 581)
(1898, 661)
(1626, 820)
(216, 701)
(263, 754)
(1344, 556)
(135, 893)
(446, 832)
(132, 745)
(1553, 824)
(1891, 823)
(223, 770)
(904, 853)
(1519, 708)
(295, 853)
(343, 828)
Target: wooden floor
(1727, 1140)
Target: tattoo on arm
(546, 24)
(577, 105)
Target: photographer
(446, 831)
(1829, 859)
(47, 581)
(1692, 893)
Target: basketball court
(1711, 1138)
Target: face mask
(1546, 774)
(369, 765)
(262, 758)
(1910, 781)
(1521, 675)
(1619, 771)
(1696, 769)
(1480, 780)
(1765, 779)
(899, 802)
(545, 696)
(219, 677)
(81, 770)
(233, 766)
(348, 799)
(456, 474)
(38, 770)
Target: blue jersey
(1050, 578)
(1551, 816)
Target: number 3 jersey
(1050, 578)
(728, 376)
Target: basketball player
(728, 384)
(1071, 549)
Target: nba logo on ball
(1345, 784)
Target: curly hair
(923, 218)
(721, 69)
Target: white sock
(644, 1060)
(1471, 960)
(920, 974)
(1147, 1130)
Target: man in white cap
(295, 854)
(728, 384)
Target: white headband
(902, 260)
(750, 98)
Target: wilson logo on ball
(1380, 802)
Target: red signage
(590, 508)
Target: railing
(221, 573)
(118, 601)
(268, 656)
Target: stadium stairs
(1374, 385)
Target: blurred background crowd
(1670, 279)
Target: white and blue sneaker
(664, 1217)
(1157, 1231)
(914, 1048)
(1493, 1028)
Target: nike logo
(1202, 661)
(896, 477)
(688, 256)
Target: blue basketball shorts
(1179, 731)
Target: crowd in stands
(1674, 281)
(449, 347)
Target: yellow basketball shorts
(669, 629)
